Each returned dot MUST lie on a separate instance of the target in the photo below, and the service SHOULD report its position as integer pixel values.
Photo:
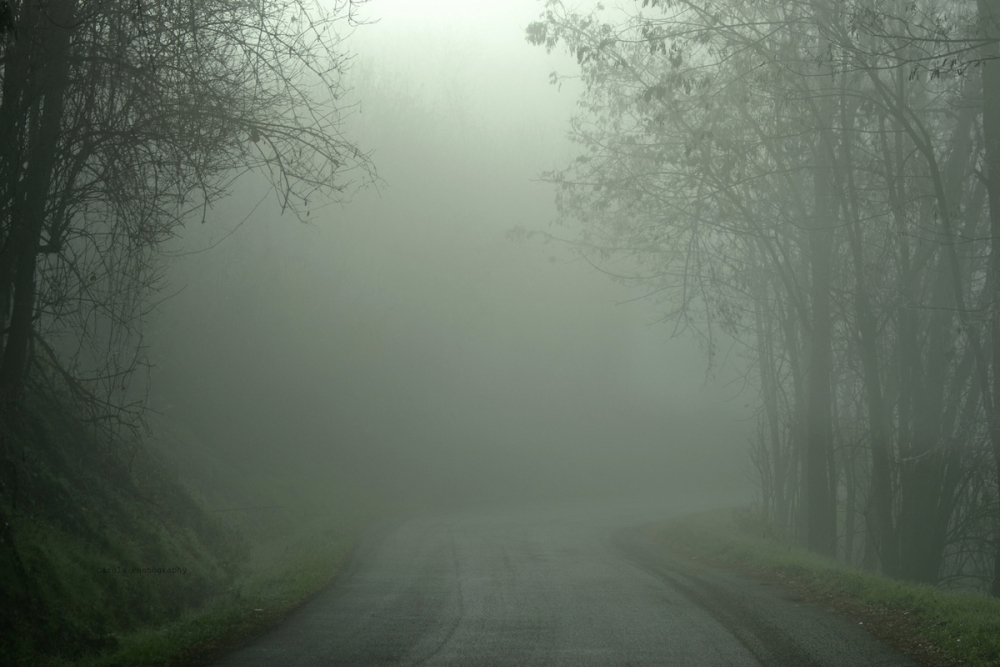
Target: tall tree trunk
(19, 94)
(880, 495)
(821, 515)
(765, 360)
(921, 481)
(796, 345)
(989, 16)
(850, 508)
(53, 30)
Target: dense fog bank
(402, 344)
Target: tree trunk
(821, 515)
(53, 30)
(850, 509)
(989, 16)
(765, 360)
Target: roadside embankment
(277, 576)
(112, 557)
(932, 626)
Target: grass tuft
(108, 562)
(936, 627)
(279, 576)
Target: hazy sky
(400, 342)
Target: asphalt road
(560, 586)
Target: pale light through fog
(402, 345)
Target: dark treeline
(121, 121)
(818, 180)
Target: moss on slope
(92, 546)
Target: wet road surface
(555, 586)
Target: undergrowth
(111, 562)
(963, 627)
(278, 576)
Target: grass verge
(934, 627)
(280, 575)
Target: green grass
(279, 576)
(965, 628)
(71, 512)
(76, 521)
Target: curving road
(558, 586)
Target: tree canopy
(816, 179)
(122, 120)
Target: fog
(401, 345)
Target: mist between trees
(119, 122)
(820, 181)
(812, 180)
(402, 345)
(408, 356)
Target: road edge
(921, 622)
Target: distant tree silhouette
(818, 180)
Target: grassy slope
(279, 575)
(933, 626)
(73, 512)
(75, 521)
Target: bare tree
(814, 177)
(120, 121)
